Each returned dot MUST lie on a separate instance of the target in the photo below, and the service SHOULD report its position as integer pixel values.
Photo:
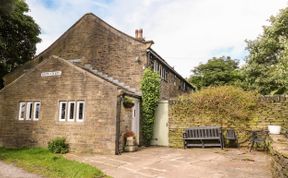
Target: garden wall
(279, 153)
(269, 109)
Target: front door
(136, 119)
(161, 127)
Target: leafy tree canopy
(18, 35)
(267, 63)
(217, 71)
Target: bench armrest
(184, 135)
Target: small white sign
(51, 74)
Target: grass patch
(41, 161)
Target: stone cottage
(75, 89)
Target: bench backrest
(203, 132)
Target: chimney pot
(136, 34)
(140, 34)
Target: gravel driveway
(10, 171)
(163, 162)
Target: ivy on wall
(226, 106)
(150, 87)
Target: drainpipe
(118, 118)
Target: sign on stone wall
(51, 74)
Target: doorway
(136, 119)
(161, 127)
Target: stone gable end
(96, 134)
(106, 49)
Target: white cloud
(185, 32)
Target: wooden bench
(210, 136)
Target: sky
(186, 32)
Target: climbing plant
(225, 106)
(150, 87)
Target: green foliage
(226, 106)
(128, 102)
(216, 72)
(18, 35)
(41, 161)
(58, 145)
(150, 87)
(7, 6)
(267, 62)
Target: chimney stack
(139, 34)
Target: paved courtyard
(168, 162)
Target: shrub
(150, 87)
(226, 106)
(58, 145)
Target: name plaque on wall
(51, 74)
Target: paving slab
(162, 162)
(11, 171)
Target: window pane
(80, 110)
(63, 111)
(155, 66)
(29, 108)
(36, 110)
(81, 107)
(22, 108)
(71, 111)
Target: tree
(217, 71)
(18, 35)
(267, 62)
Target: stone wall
(96, 134)
(172, 87)
(106, 49)
(278, 150)
(125, 124)
(269, 110)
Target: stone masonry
(96, 134)
(108, 50)
(278, 150)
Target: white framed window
(155, 66)
(80, 111)
(36, 111)
(62, 111)
(71, 111)
(29, 110)
(22, 110)
(160, 71)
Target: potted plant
(128, 102)
(130, 145)
(274, 129)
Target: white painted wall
(160, 132)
